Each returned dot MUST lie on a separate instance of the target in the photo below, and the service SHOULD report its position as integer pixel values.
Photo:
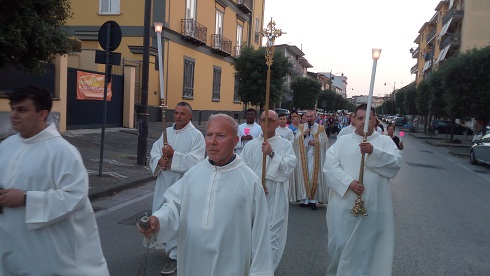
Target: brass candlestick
(359, 208)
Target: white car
(478, 135)
(480, 151)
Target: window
(257, 30)
(109, 7)
(239, 35)
(216, 83)
(219, 23)
(190, 9)
(189, 65)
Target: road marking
(122, 205)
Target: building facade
(200, 40)
(457, 26)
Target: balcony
(456, 15)
(414, 69)
(415, 53)
(221, 45)
(245, 5)
(453, 39)
(193, 31)
(431, 35)
(238, 51)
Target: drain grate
(423, 165)
(132, 220)
(428, 151)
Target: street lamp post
(393, 95)
(359, 208)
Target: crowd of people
(221, 199)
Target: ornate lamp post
(271, 33)
(359, 208)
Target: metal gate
(89, 113)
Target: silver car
(480, 151)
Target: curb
(123, 185)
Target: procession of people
(221, 199)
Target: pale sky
(339, 35)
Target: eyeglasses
(270, 120)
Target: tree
(251, 73)
(32, 32)
(399, 99)
(305, 92)
(409, 103)
(423, 96)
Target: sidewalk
(442, 140)
(119, 168)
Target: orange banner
(90, 86)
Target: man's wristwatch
(272, 154)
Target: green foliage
(305, 92)
(409, 103)
(331, 101)
(388, 107)
(399, 100)
(251, 73)
(31, 32)
(437, 102)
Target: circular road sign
(115, 35)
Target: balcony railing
(414, 69)
(415, 53)
(453, 39)
(457, 16)
(193, 31)
(245, 5)
(431, 35)
(221, 44)
(238, 51)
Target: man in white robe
(169, 163)
(280, 163)
(311, 143)
(283, 130)
(362, 245)
(248, 130)
(47, 225)
(218, 210)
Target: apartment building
(457, 26)
(300, 65)
(200, 41)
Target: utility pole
(143, 110)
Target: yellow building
(457, 26)
(200, 41)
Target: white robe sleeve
(155, 155)
(169, 214)
(68, 195)
(181, 162)
(280, 167)
(385, 160)
(335, 177)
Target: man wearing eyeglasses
(280, 163)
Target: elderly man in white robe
(361, 245)
(47, 225)
(218, 210)
(169, 163)
(280, 163)
(311, 143)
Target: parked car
(443, 126)
(283, 111)
(399, 121)
(480, 134)
(480, 151)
